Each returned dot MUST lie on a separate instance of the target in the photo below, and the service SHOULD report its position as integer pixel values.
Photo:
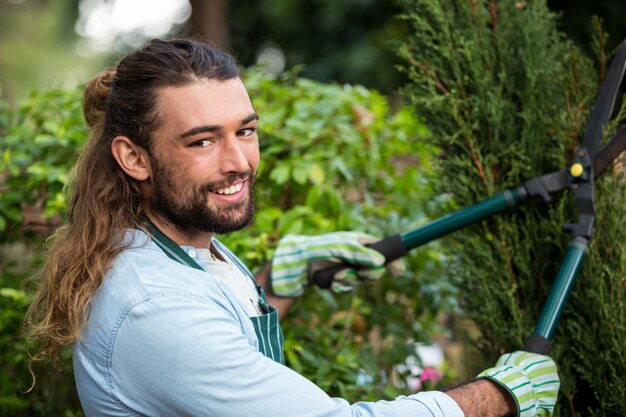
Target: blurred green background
(60, 43)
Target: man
(166, 321)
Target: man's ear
(132, 158)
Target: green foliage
(333, 158)
(13, 304)
(54, 394)
(507, 98)
(40, 141)
(39, 147)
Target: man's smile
(231, 193)
(230, 190)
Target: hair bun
(95, 96)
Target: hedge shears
(589, 163)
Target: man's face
(204, 157)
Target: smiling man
(163, 319)
(198, 177)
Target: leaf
(341, 166)
(316, 173)
(14, 294)
(313, 195)
(280, 174)
(300, 174)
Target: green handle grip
(539, 341)
(462, 218)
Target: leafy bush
(40, 141)
(39, 147)
(333, 158)
(508, 97)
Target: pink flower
(430, 374)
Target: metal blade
(605, 102)
(610, 151)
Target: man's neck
(198, 240)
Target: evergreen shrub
(507, 98)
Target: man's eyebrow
(250, 118)
(199, 129)
(215, 128)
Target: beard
(190, 212)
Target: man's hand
(297, 257)
(531, 379)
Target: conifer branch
(429, 71)
(477, 164)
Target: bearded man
(163, 319)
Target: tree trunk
(209, 21)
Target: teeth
(230, 190)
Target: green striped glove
(297, 257)
(531, 379)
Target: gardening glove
(298, 257)
(531, 379)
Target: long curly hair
(104, 201)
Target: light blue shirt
(164, 339)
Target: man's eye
(203, 143)
(247, 131)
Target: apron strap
(168, 246)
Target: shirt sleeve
(179, 355)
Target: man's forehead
(204, 101)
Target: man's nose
(233, 158)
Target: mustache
(230, 178)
